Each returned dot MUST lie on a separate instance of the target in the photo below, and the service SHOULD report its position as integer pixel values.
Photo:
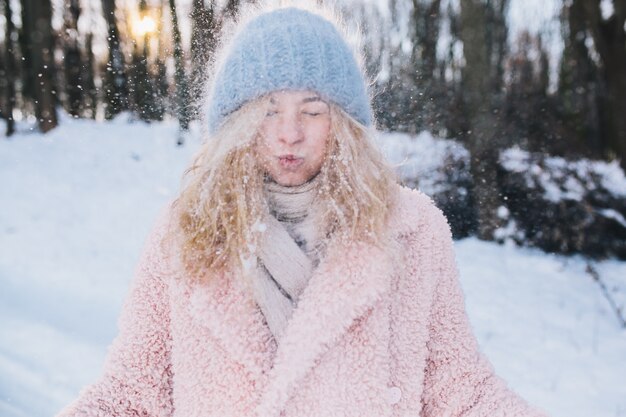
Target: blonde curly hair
(222, 202)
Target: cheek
(263, 150)
(267, 135)
(319, 148)
(321, 138)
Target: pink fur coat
(376, 333)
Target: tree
(73, 62)
(38, 50)
(206, 24)
(480, 97)
(204, 30)
(425, 22)
(609, 39)
(530, 114)
(7, 70)
(207, 21)
(142, 83)
(91, 93)
(182, 92)
(578, 89)
(115, 80)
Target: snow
(613, 214)
(607, 9)
(565, 180)
(77, 203)
(421, 156)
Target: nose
(290, 130)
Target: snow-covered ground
(76, 204)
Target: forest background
(509, 113)
(555, 94)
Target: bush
(565, 206)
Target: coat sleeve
(137, 377)
(459, 381)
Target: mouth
(290, 161)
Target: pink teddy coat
(377, 332)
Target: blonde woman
(292, 276)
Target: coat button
(394, 394)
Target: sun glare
(144, 25)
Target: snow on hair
(222, 199)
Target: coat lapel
(225, 306)
(342, 289)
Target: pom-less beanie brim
(288, 49)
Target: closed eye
(315, 113)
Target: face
(293, 136)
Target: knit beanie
(288, 49)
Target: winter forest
(510, 114)
(548, 84)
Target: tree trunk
(73, 61)
(39, 60)
(496, 37)
(609, 37)
(115, 81)
(91, 98)
(616, 105)
(484, 126)
(578, 87)
(425, 19)
(9, 68)
(203, 43)
(182, 92)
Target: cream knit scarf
(287, 252)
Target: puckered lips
(290, 161)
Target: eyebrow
(312, 99)
(304, 100)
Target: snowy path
(75, 206)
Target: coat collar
(343, 288)
(346, 284)
(226, 307)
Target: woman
(292, 276)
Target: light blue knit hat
(290, 49)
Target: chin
(287, 180)
(290, 182)
(290, 179)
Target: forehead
(294, 97)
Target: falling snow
(78, 202)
